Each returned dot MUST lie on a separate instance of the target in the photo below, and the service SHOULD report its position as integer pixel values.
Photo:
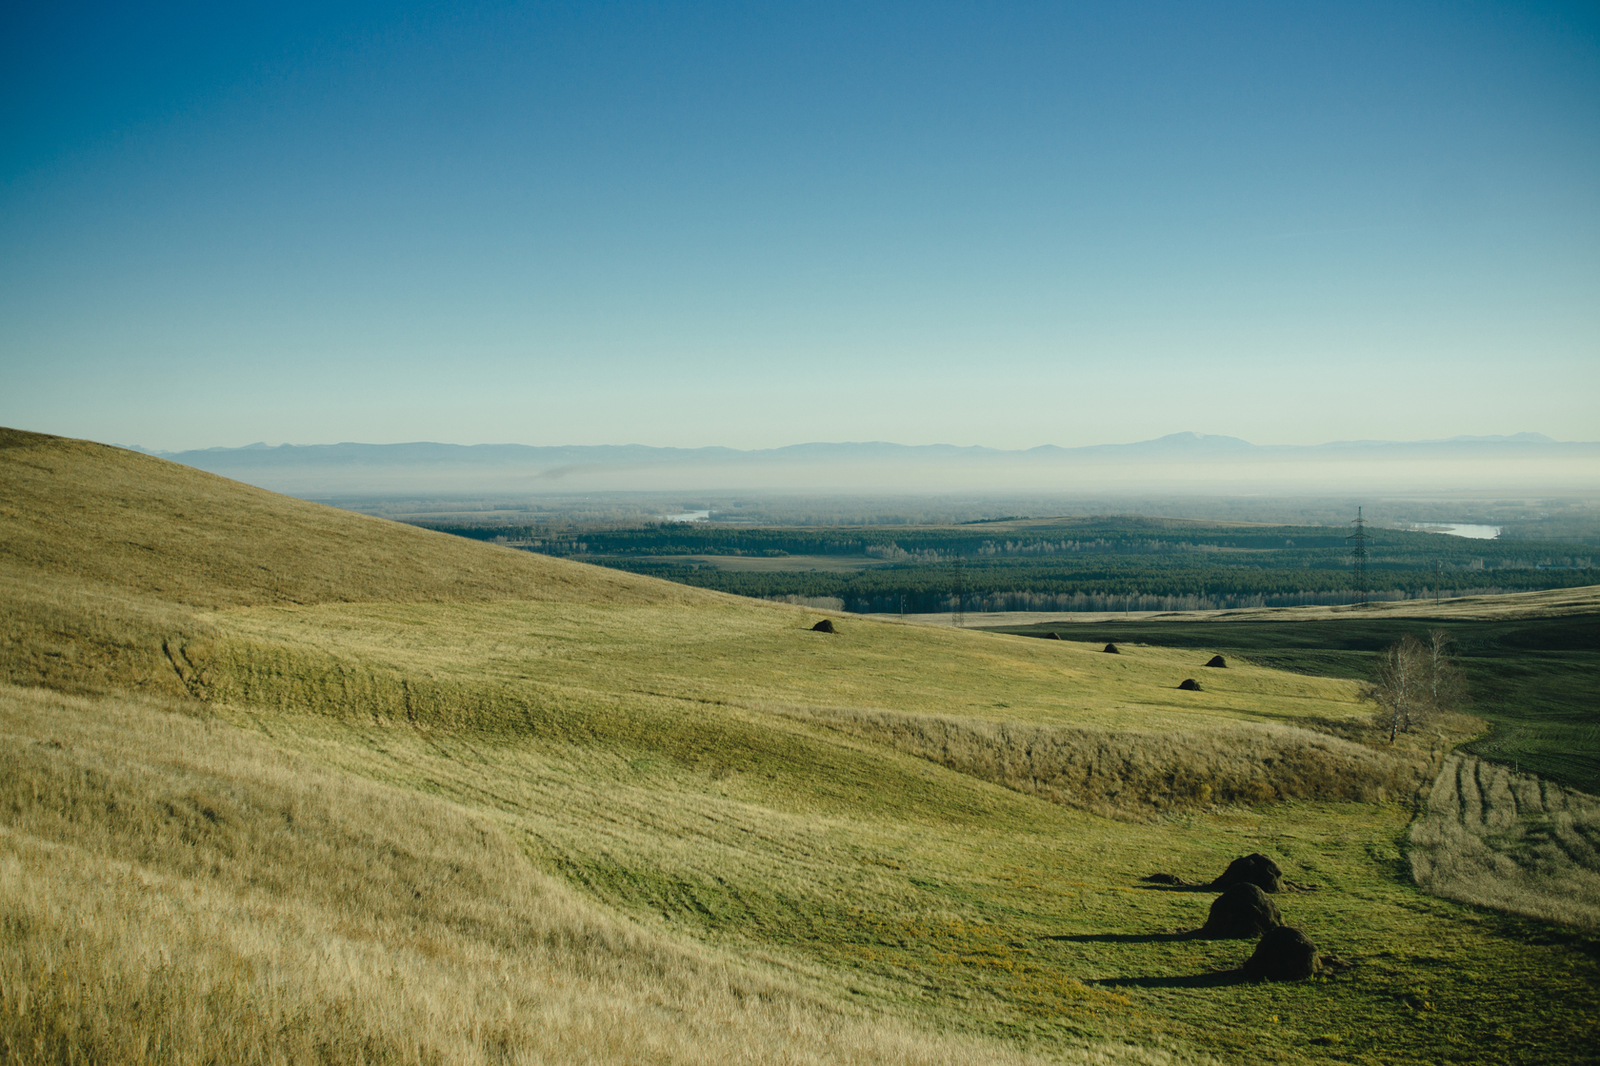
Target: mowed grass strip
(1507, 840)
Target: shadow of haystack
(1255, 869)
(824, 626)
(1174, 883)
(1122, 938)
(1215, 979)
(1283, 954)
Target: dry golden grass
(432, 801)
(119, 520)
(1506, 840)
(1061, 720)
(174, 891)
(750, 653)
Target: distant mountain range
(1185, 462)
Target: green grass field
(1532, 679)
(346, 789)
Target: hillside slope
(122, 520)
(467, 805)
(128, 571)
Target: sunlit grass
(407, 800)
(747, 652)
(177, 892)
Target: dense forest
(1105, 564)
(1570, 521)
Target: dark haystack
(1052, 636)
(1253, 869)
(1284, 954)
(824, 626)
(1111, 649)
(1217, 660)
(1241, 912)
(1189, 684)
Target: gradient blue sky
(754, 225)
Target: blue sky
(754, 225)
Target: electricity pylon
(1358, 555)
(959, 617)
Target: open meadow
(1530, 661)
(286, 783)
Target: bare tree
(1400, 686)
(1414, 680)
(1446, 687)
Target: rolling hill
(284, 782)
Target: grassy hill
(336, 789)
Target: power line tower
(959, 616)
(1358, 555)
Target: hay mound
(1253, 869)
(1218, 661)
(1284, 954)
(1111, 649)
(1189, 684)
(824, 626)
(1241, 912)
(1052, 636)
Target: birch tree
(1446, 686)
(1400, 686)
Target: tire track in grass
(1510, 841)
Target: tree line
(1107, 564)
(1131, 586)
(1291, 546)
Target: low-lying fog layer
(1181, 464)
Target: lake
(1475, 532)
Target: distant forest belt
(1130, 587)
(1119, 564)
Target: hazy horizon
(1181, 463)
(1521, 436)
